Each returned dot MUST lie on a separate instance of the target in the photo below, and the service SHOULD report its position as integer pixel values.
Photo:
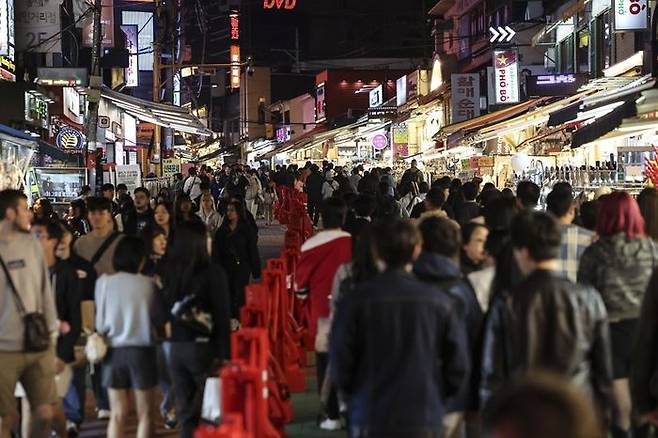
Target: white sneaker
(330, 424)
(103, 414)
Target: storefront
(16, 151)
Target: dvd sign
(279, 4)
(506, 76)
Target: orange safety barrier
(269, 351)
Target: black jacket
(547, 322)
(134, 222)
(211, 289)
(466, 211)
(236, 250)
(398, 351)
(67, 300)
(86, 275)
(445, 274)
(314, 184)
(644, 366)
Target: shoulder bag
(36, 335)
(101, 249)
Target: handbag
(189, 313)
(36, 334)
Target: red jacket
(321, 256)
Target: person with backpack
(98, 247)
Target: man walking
(97, 247)
(24, 289)
(575, 239)
(397, 349)
(547, 322)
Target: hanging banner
(130, 175)
(107, 26)
(506, 76)
(36, 23)
(171, 166)
(320, 103)
(7, 55)
(131, 74)
(630, 15)
(465, 96)
(401, 91)
(376, 96)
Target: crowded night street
(335, 218)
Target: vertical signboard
(36, 23)
(376, 97)
(630, 14)
(131, 74)
(320, 103)
(401, 91)
(506, 76)
(234, 18)
(412, 85)
(7, 65)
(144, 22)
(107, 26)
(465, 96)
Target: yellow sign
(171, 166)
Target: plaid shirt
(575, 240)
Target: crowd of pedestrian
(437, 308)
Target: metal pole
(95, 83)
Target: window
(582, 51)
(566, 55)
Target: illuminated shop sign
(279, 4)
(506, 76)
(555, 84)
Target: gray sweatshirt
(124, 309)
(24, 258)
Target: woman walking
(196, 301)
(235, 249)
(619, 265)
(208, 214)
(125, 317)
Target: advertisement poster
(59, 185)
(130, 175)
(630, 15)
(131, 73)
(6, 27)
(506, 76)
(171, 166)
(36, 22)
(401, 91)
(320, 104)
(107, 23)
(465, 96)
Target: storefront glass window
(566, 55)
(582, 51)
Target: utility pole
(95, 82)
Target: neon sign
(279, 4)
(235, 26)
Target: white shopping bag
(212, 400)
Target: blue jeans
(74, 401)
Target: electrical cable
(58, 34)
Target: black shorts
(130, 368)
(622, 334)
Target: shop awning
(538, 116)
(294, 144)
(19, 135)
(168, 116)
(487, 119)
(604, 124)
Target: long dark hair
(187, 258)
(178, 218)
(648, 202)
(239, 210)
(363, 260)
